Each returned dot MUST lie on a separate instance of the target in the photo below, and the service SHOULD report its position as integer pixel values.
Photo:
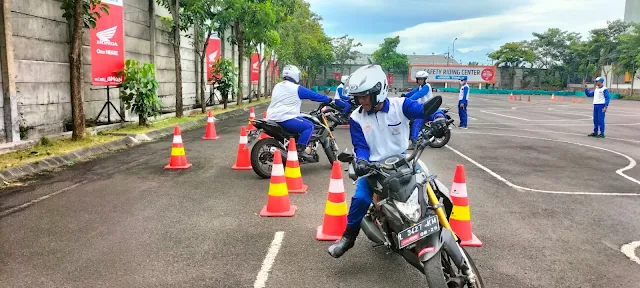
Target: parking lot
(552, 207)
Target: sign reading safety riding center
(107, 45)
(453, 73)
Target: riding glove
(361, 167)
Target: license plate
(414, 233)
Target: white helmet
(343, 80)
(292, 72)
(422, 75)
(369, 80)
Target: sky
(481, 26)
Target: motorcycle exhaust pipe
(371, 230)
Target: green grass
(50, 148)
(635, 97)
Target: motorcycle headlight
(411, 208)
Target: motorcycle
(441, 141)
(409, 215)
(262, 150)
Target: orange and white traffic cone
(335, 210)
(178, 158)
(278, 203)
(553, 97)
(292, 171)
(252, 118)
(210, 130)
(460, 219)
(243, 157)
(264, 135)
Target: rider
(341, 99)
(379, 128)
(422, 93)
(285, 105)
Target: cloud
(476, 24)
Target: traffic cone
(178, 159)
(210, 130)
(529, 99)
(243, 157)
(252, 117)
(520, 98)
(460, 219)
(336, 210)
(278, 203)
(552, 97)
(579, 100)
(573, 99)
(292, 171)
(510, 96)
(264, 135)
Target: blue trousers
(359, 204)
(463, 113)
(344, 105)
(598, 118)
(299, 125)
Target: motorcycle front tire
(440, 144)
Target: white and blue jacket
(464, 93)
(287, 98)
(600, 95)
(339, 93)
(419, 93)
(376, 135)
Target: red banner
(390, 78)
(107, 45)
(213, 52)
(336, 76)
(255, 68)
(277, 71)
(271, 67)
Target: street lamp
(454, 49)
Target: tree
(224, 75)
(629, 53)
(343, 49)
(304, 43)
(83, 13)
(603, 42)
(175, 26)
(140, 93)
(512, 55)
(201, 14)
(389, 59)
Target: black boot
(343, 244)
(302, 153)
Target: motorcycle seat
(274, 128)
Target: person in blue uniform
(600, 103)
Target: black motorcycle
(443, 139)
(410, 214)
(262, 150)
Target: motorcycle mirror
(432, 105)
(345, 157)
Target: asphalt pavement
(551, 205)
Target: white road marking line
(523, 119)
(632, 163)
(629, 250)
(459, 116)
(556, 132)
(25, 205)
(263, 275)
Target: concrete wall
(41, 45)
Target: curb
(130, 140)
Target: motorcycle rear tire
(255, 156)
